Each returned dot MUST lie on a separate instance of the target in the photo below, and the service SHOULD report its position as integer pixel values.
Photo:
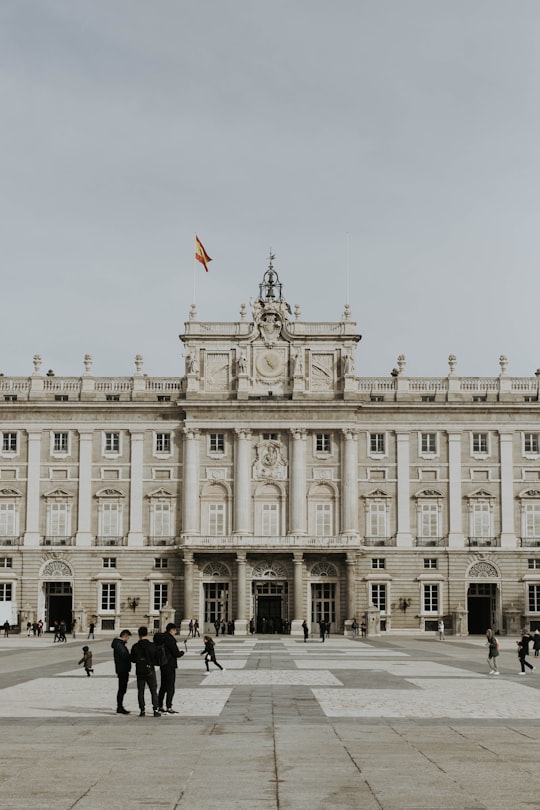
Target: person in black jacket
(209, 653)
(122, 665)
(143, 656)
(168, 670)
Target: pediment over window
(480, 493)
(377, 493)
(58, 493)
(10, 493)
(160, 493)
(530, 493)
(110, 493)
(429, 493)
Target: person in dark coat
(168, 670)
(122, 665)
(536, 643)
(143, 656)
(523, 651)
(209, 653)
(305, 629)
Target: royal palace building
(271, 484)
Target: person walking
(122, 666)
(74, 628)
(86, 661)
(322, 629)
(143, 656)
(168, 670)
(441, 630)
(493, 652)
(7, 628)
(91, 629)
(354, 628)
(523, 651)
(306, 631)
(363, 629)
(209, 653)
(196, 629)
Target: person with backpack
(493, 652)
(168, 665)
(143, 655)
(209, 653)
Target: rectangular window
(427, 398)
(532, 520)
(378, 562)
(112, 442)
(322, 443)
(270, 437)
(8, 520)
(430, 562)
(61, 397)
(162, 520)
(217, 442)
(9, 442)
(533, 563)
(108, 597)
(163, 442)
(110, 520)
(270, 520)
(530, 443)
(534, 598)
(479, 442)
(429, 521)
(376, 398)
(431, 598)
(481, 520)
(216, 518)
(161, 562)
(323, 519)
(376, 442)
(163, 398)
(429, 442)
(112, 397)
(161, 595)
(378, 597)
(58, 523)
(376, 518)
(60, 443)
(109, 562)
(6, 562)
(5, 591)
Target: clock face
(270, 364)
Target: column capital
(298, 434)
(241, 557)
(350, 433)
(137, 435)
(188, 558)
(85, 435)
(243, 433)
(192, 433)
(298, 557)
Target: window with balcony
(216, 519)
(9, 521)
(323, 519)
(270, 519)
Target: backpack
(160, 653)
(143, 666)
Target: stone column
(135, 535)
(242, 482)
(298, 517)
(508, 530)
(455, 517)
(349, 525)
(240, 622)
(84, 519)
(299, 609)
(190, 506)
(32, 533)
(351, 593)
(404, 538)
(188, 592)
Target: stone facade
(271, 484)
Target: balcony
(379, 541)
(429, 542)
(110, 541)
(160, 541)
(256, 541)
(50, 540)
(482, 541)
(530, 542)
(10, 541)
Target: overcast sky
(408, 130)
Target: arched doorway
(270, 594)
(483, 598)
(56, 593)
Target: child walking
(209, 653)
(86, 660)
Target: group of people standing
(522, 643)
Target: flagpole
(194, 279)
(347, 268)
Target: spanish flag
(200, 253)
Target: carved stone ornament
(214, 569)
(483, 569)
(57, 569)
(269, 464)
(266, 570)
(323, 569)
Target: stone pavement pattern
(388, 723)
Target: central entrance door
(58, 603)
(482, 607)
(270, 606)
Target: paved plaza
(393, 723)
